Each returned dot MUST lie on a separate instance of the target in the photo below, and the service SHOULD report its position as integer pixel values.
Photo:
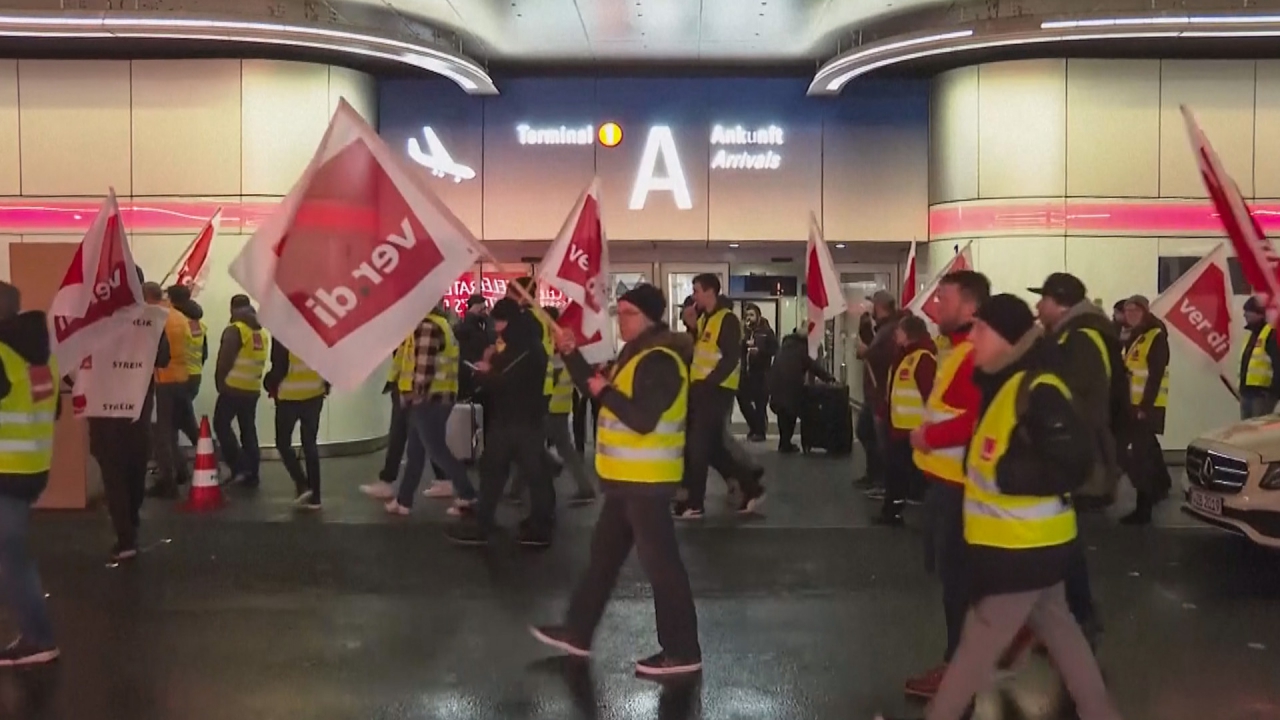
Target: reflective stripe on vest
(706, 349)
(906, 403)
(445, 379)
(991, 518)
(1259, 371)
(944, 463)
(301, 382)
(548, 345)
(251, 361)
(27, 414)
(624, 455)
(195, 346)
(1136, 361)
(178, 333)
(562, 393)
(1096, 337)
(406, 362)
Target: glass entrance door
(677, 283)
(858, 286)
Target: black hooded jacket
(28, 335)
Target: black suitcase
(826, 419)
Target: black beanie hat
(505, 310)
(648, 299)
(1009, 315)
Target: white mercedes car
(1234, 475)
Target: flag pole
(190, 246)
(1230, 386)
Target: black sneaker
(530, 538)
(685, 511)
(20, 652)
(123, 553)
(888, 520)
(466, 533)
(789, 449)
(582, 498)
(661, 665)
(558, 638)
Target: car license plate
(1205, 502)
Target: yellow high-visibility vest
(906, 402)
(178, 334)
(1259, 372)
(251, 361)
(706, 349)
(195, 347)
(301, 382)
(1010, 522)
(1136, 361)
(549, 345)
(562, 393)
(944, 463)
(624, 455)
(27, 415)
(1096, 337)
(405, 364)
(445, 379)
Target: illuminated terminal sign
(561, 135)
(736, 148)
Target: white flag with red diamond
(354, 257)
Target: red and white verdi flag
(1258, 260)
(925, 304)
(100, 283)
(909, 278)
(577, 264)
(1198, 307)
(355, 256)
(822, 286)
(193, 267)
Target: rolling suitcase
(465, 432)
(826, 419)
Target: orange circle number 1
(610, 134)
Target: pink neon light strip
(36, 216)
(1119, 218)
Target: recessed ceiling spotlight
(839, 246)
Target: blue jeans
(428, 429)
(19, 581)
(1255, 404)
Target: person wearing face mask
(1029, 451)
(1259, 381)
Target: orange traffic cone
(206, 493)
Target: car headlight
(1271, 478)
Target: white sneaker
(460, 507)
(395, 508)
(440, 490)
(380, 490)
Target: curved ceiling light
(837, 72)
(463, 71)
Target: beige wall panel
(1114, 268)
(1113, 128)
(1221, 94)
(285, 112)
(75, 126)
(10, 140)
(359, 89)
(5, 242)
(1014, 264)
(876, 183)
(1022, 128)
(186, 127)
(953, 136)
(1266, 155)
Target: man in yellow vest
(1259, 363)
(299, 393)
(197, 354)
(640, 445)
(1029, 451)
(910, 383)
(242, 361)
(714, 378)
(29, 405)
(172, 396)
(1147, 358)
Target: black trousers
(582, 405)
(290, 414)
(518, 446)
(786, 427)
(706, 446)
(171, 464)
(242, 455)
(1078, 587)
(945, 553)
(902, 478)
(185, 419)
(1144, 461)
(866, 433)
(753, 401)
(641, 519)
(121, 448)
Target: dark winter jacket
(656, 384)
(1157, 361)
(790, 371)
(1273, 352)
(229, 349)
(474, 333)
(27, 334)
(514, 381)
(1051, 452)
(877, 360)
(1095, 392)
(765, 342)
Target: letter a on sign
(660, 142)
